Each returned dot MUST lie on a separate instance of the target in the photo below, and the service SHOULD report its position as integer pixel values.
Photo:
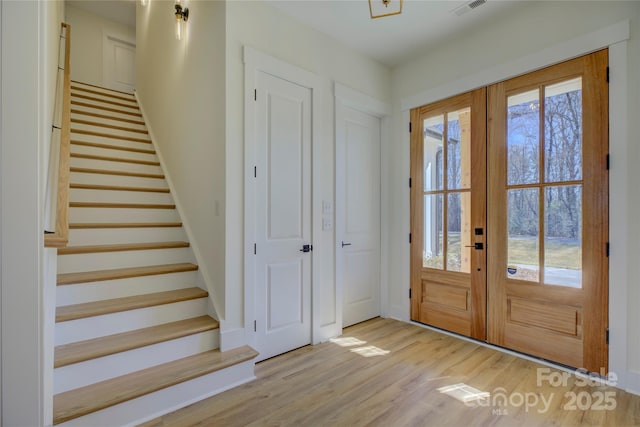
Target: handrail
(60, 235)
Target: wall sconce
(380, 8)
(182, 15)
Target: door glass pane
(563, 131)
(563, 235)
(433, 252)
(523, 129)
(459, 232)
(523, 259)
(433, 129)
(459, 149)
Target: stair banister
(57, 192)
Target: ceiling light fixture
(380, 8)
(182, 15)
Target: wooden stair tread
(116, 305)
(123, 273)
(84, 225)
(108, 117)
(114, 159)
(81, 351)
(118, 188)
(92, 249)
(133, 106)
(101, 107)
(97, 92)
(108, 126)
(112, 172)
(120, 205)
(110, 135)
(82, 401)
(112, 147)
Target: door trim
(359, 101)
(256, 61)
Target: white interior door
(283, 215)
(358, 213)
(119, 64)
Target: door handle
(306, 248)
(478, 245)
(345, 244)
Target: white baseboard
(231, 338)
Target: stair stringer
(228, 339)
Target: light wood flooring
(387, 373)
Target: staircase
(136, 334)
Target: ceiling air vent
(462, 9)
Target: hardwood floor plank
(336, 385)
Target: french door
(546, 281)
(448, 193)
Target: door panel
(358, 213)
(119, 64)
(448, 173)
(548, 193)
(283, 216)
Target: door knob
(346, 244)
(306, 248)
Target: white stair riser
(153, 405)
(111, 141)
(122, 215)
(108, 152)
(99, 89)
(80, 109)
(121, 180)
(108, 289)
(92, 371)
(117, 196)
(125, 259)
(127, 108)
(109, 130)
(114, 323)
(80, 114)
(108, 236)
(103, 96)
(115, 166)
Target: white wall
(29, 31)
(477, 57)
(86, 43)
(181, 86)
(257, 25)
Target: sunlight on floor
(464, 393)
(364, 351)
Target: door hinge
(607, 249)
(608, 162)
(255, 249)
(409, 182)
(409, 293)
(255, 171)
(409, 127)
(255, 326)
(255, 94)
(409, 238)
(607, 74)
(607, 335)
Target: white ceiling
(390, 40)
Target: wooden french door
(448, 193)
(548, 220)
(545, 288)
